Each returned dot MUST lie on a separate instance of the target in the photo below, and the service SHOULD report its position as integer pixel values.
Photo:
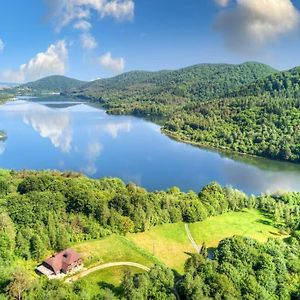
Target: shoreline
(221, 150)
(224, 150)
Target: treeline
(242, 268)
(282, 84)
(199, 83)
(5, 96)
(247, 108)
(264, 126)
(42, 211)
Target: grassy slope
(172, 246)
(110, 278)
(169, 244)
(250, 223)
(112, 249)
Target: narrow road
(105, 266)
(187, 229)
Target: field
(110, 278)
(169, 244)
(113, 249)
(250, 223)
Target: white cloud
(88, 41)
(118, 9)
(83, 25)
(252, 24)
(79, 12)
(115, 65)
(1, 45)
(68, 11)
(52, 61)
(222, 3)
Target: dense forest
(199, 82)
(42, 211)
(248, 108)
(261, 126)
(5, 96)
(281, 84)
(238, 108)
(50, 84)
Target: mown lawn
(113, 249)
(109, 278)
(250, 223)
(168, 242)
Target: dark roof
(62, 260)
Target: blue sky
(89, 39)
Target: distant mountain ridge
(50, 84)
(7, 85)
(198, 82)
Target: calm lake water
(69, 135)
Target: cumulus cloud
(83, 25)
(52, 61)
(79, 13)
(67, 11)
(222, 3)
(115, 65)
(252, 24)
(1, 45)
(88, 41)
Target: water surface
(70, 135)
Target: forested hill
(50, 84)
(281, 84)
(199, 82)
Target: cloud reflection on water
(98, 144)
(2, 147)
(49, 123)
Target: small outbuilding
(61, 264)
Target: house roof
(62, 260)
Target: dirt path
(187, 229)
(105, 266)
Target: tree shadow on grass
(210, 253)
(265, 222)
(117, 290)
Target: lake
(61, 134)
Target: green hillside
(109, 222)
(197, 82)
(261, 126)
(281, 84)
(49, 84)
